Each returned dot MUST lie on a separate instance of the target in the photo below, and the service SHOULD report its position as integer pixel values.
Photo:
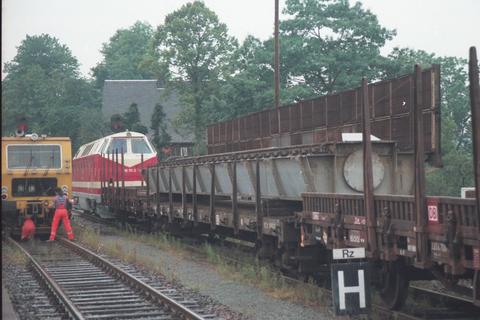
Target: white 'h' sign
(342, 289)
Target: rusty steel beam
(258, 201)
(235, 197)
(277, 62)
(102, 182)
(419, 151)
(184, 196)
(170, 196)
(157, 198)
(148, 192)
(112, 178)
(194, 196)
(212, 197)
(368, 174)
(475, 109)
(105, 178)
(117, 181)
(101, 174)
(141, 168)
(123, 181)
(107, 189)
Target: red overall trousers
(28, 229)
(61, 213)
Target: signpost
(350, 282)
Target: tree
(129, 54)
(338, 44)
(194, 50)
(131, 119)
(161, 138)
(45, 52)
(456, 144)
(249, 88)
(43, 83)
(131, 116)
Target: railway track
(466, 310)
(87, 286)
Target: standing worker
(60, 203)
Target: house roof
(118, 95)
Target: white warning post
(350, 281)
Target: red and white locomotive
(95, 162)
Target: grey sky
(440, 26)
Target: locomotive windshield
(140, 146)
(118, 144)
(27, 156)
(135, 146)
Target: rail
(51, 283)
(152, 292)
(147, 290)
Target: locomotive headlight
(64, 189)
(45, 203)
(4, 189)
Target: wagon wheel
(393, 284)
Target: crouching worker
(61, 213)
(28, 229)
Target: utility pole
(277, 64)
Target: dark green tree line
(128, 55)
(194, 50)
(43, 83)
(160, 137)
(131, 119)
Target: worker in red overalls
(28, 229)
(60, 203)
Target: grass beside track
(250, 271)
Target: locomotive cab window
(102, 148)
(79, 151)
(117, 144)
(27, 156)
(87, 149)
(140, 146)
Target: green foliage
(131, 120)
(43, 83)
(194, 50)
(128, 55)
(131, 116)
(47, 54)
(161, 138)
(338, 44)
